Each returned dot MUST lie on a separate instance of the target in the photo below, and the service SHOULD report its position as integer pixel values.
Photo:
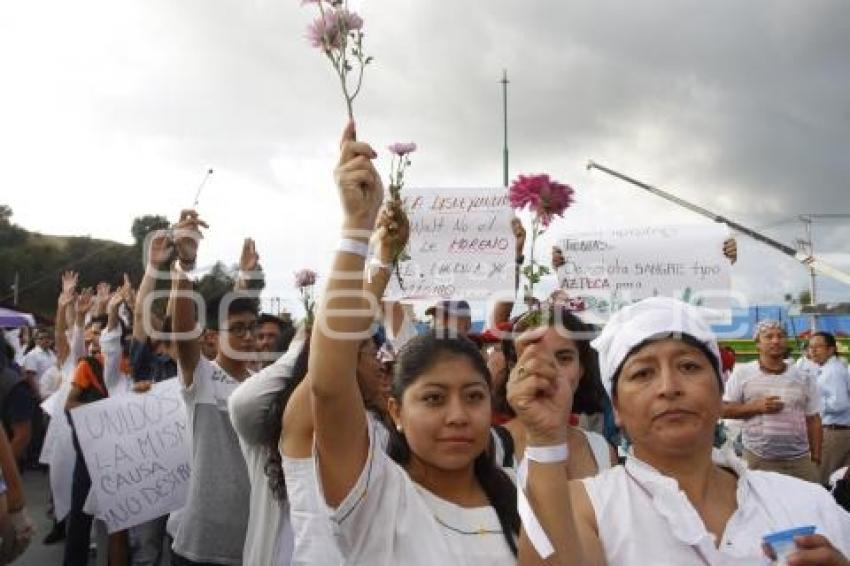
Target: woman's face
(562, 348)
(668, 397)
(445, 414)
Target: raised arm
(66, 301)
(85, 302)
(345, 313)
(102, 293)
(160, 255)
(541, 398)
(391, 234)
(186, 237)
(250, 274)
(390, 237)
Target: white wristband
(355, 247)
(533, 529)
(548, 454)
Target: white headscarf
(647, 319)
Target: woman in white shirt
(444, 501)
(675, 501)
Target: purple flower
(401, 148)
(305, 278)
(544, 197)
(328, 30)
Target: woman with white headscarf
(675, 501)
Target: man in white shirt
(780, 407)
(39, 359)
(834, 384)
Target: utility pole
(504, 82)
(807, 245)
(15, 289)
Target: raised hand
(360, 187)
(66, 298)
(249, 260)
(69, 281)
(161, 250)
(85, 301)
(128, 294)
(541, 399)
(392, 231)
(730, 249)
(102, 293)
(187, 235)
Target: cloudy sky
(114, 109)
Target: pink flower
(328, 30)
(544, 197)
(305, 278)
(401, 148)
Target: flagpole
(504, 82)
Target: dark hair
(828, 338)
(287, 330)
(687, 339)
(242, 304)
(237, 303)
(273, 428)
(589, 397)
(416, 357)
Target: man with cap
(450, 318)
(780, 407)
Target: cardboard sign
(137, 450)
(609, 269)
(461, 245)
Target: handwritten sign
(136, 447)
(461, 245)
(607, 270)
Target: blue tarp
(744, 322)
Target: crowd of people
(352, 438)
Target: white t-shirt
(212, 525)
(388, 519)
(38, 360)
(782, 435)
(310, 522)
(645, 519)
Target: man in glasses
(211, 527)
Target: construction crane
(808, 259)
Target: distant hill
(39, 260)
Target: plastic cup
(782, 542)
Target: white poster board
(461, 245)
(608, 269)
(137, 450)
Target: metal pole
(504, 82)
(17, 282)
(808, 260)
(813, 321)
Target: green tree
(144, 225)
